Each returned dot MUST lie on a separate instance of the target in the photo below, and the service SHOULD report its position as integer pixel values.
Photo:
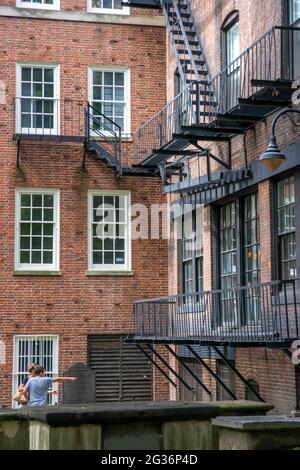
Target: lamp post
(272, 158)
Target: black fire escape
(215, 109)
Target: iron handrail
(262, 313)
(65, 118)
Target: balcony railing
(49, 117)
(273, 57)
(260, 314)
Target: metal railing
(266, 313)
(274, 56)
(98, 126)
(49, 116)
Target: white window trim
(38, 6)
(16, 339)
(107, 11)
(56, 68)
(54, 267)
(109, 267)
(127, 116)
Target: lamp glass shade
(272, 158)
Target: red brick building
(234, 66)
(225, 69)
(65, 297)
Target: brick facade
(74, 305)
(272, 370)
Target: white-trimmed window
(107, 6)
(109, 95)
(37, 99)
(37, 230)
(109, 231)
(39, 4)
(42, 350)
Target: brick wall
(75, 305)
(272, 369)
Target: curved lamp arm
(272, 158)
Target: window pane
(286, 227)
(108, 244)
(37, 232)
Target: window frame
(232, 77)
(278, 237)
(56, 98)
(194, 255)
(290, 11)
(38, 6)
(106, 11)
(22, 267)
(111, 268)
(17, 373)
(126, 132)
(239, 201)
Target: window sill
(37, 273)
(39, 6)
(109, 273)
(109, 11)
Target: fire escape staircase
(216, 109)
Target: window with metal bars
(42, 350)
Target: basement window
(107, 7)
(39, 4)
(109, 231)
(42, 350)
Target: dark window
(250, 396)
(239, 258)
(231, 32)
(294, 11)
(197, 393)
(228, 262)
(286, 228)
(192, 252)
(227, 376)
(251, 240)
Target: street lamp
(272, 158)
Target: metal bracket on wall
(178, 358)
(150, 358)
(18, 153)
(211, 372)
(239, 375)
(178, 376)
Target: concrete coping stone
(244, 408)
(113, 413)
(258, 423)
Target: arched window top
(231, 19)
(250, 395)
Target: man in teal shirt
(36, 390)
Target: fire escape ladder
(189, 55)
(103, 138)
